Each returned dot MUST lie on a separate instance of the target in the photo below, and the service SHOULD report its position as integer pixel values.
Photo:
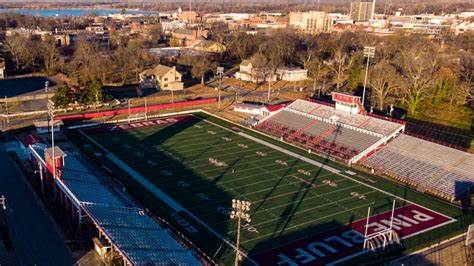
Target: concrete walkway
(35, 236)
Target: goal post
(382, 239)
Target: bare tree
(50, 54)
(200, 65)
(417, 67)
(383, 82)
(340, 65)
(260, 66)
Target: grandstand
(431, 167)
(348, 136)
(133, 234)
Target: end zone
(347, 241)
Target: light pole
(46, 89)
(3, 202)
(219, 74)
(146, 110)
(369, 52)
(6, 110)
(239, 211)
(51, 116)
(129, 111)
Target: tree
(218, 32)
(200, 65)
(340, 65)
(24, 50)
(50, 54)
(317, 72)
(417, 66)
(260, 66)
(62, 96)
(383, 82)
(91, 92)
(128, 59)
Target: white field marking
(170, 183)
(285, 194)
(235, 179)
(273, 197)
(199, 149)
(139, 154)
(301, 224)
(152, 163)
(157, 192)
(306, 198)
(146, 148)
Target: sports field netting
(202, 166)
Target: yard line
(271, 198)
(289, 203)
(228, 181)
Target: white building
(310, 22)
(44, 126)
(2, 68)
(248, 73)
(292, 74)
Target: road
(35, 237)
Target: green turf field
(291, 198)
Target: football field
(302, 211)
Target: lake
(74, 12)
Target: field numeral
(184, 184)
(202, 196)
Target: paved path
(35, 236)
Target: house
(248, 73)
(2, 68)
(187, 37)
(161, 77)
(210, 47)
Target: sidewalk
(34, 234)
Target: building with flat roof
(310, 22)
(362, 10)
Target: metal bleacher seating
(321, 128)
(435, 168)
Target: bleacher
(321, 128)
(431, 167)
(139, 238)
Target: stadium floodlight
(3, 202)
(239, 211)
(219, 74)
(51, 117)
(369, 52)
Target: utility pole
(369, 52)
(239, 211)
(146, 110)
(129, 111)
(46, 89)
(219, 74)
(6, 110)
